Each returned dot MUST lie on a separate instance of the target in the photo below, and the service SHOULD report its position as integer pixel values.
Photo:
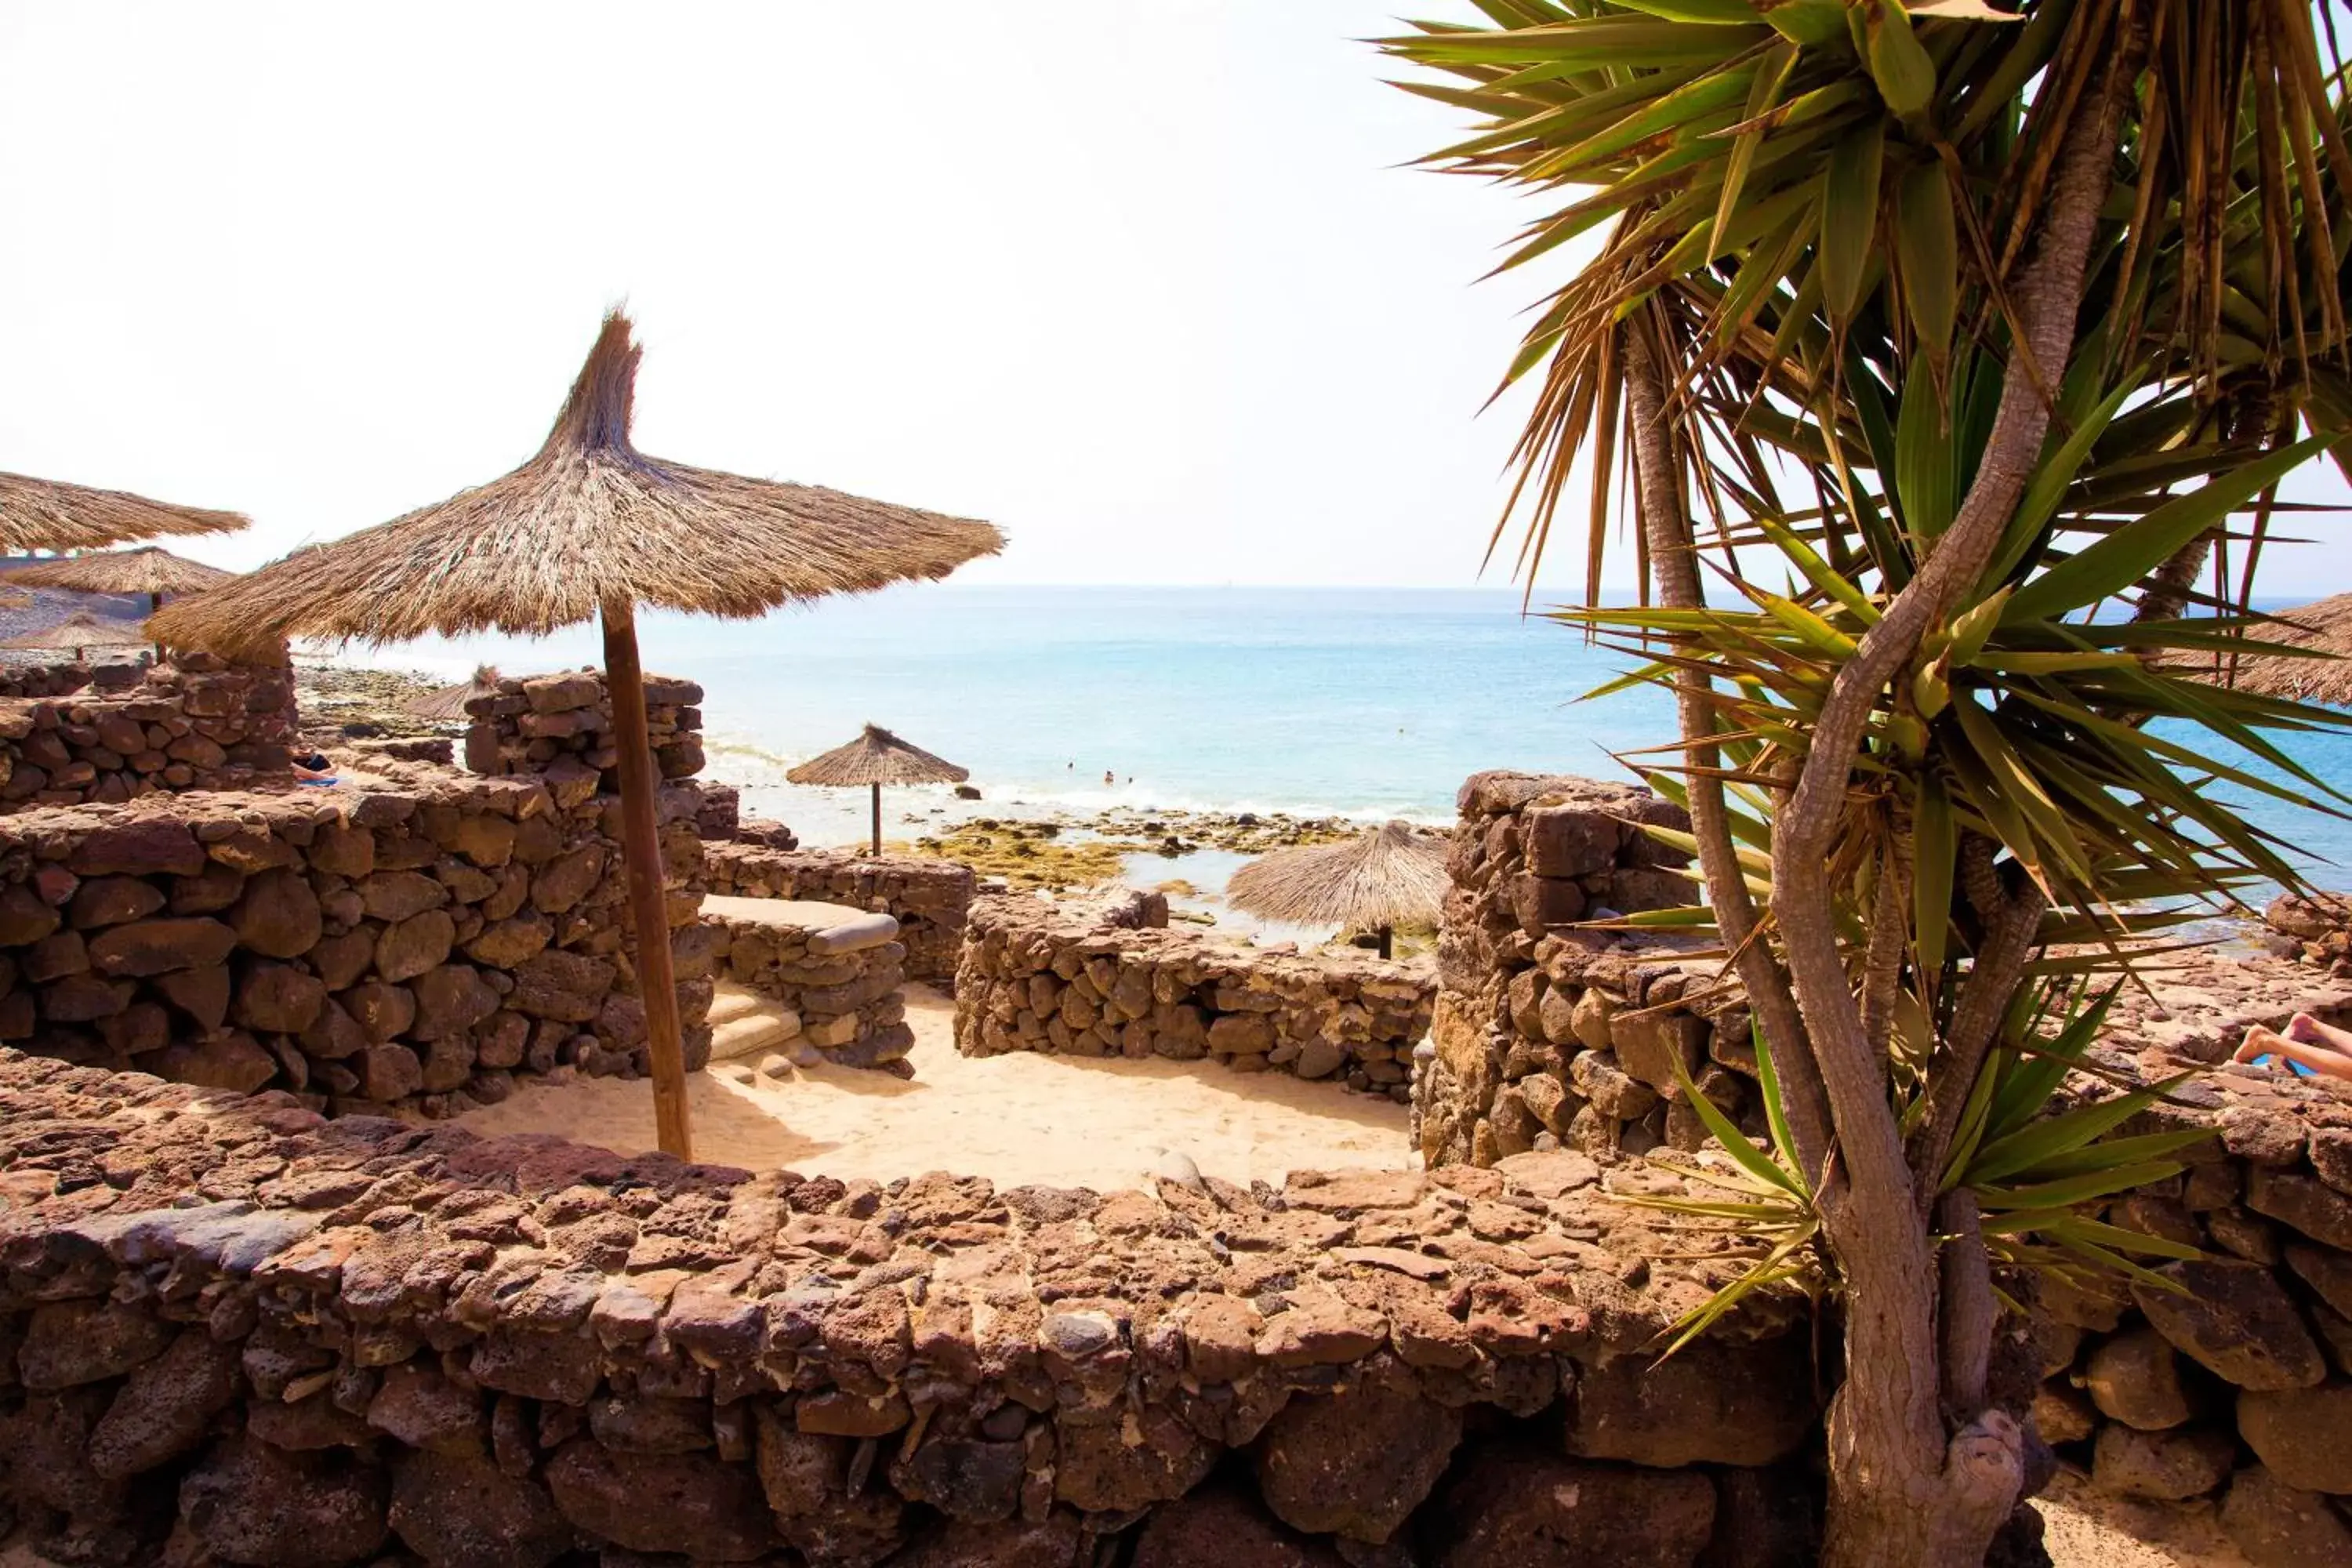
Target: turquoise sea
(1370, 702)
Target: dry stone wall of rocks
(230, 1332)
(556, 724)
(2236, 1387)
(842, 979)
(1037, 975)
(421, 945)
(194, 724)
(63, 679)
(931, 900)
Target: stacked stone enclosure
(197, 723)
(2238, 1385)
(555, 724)
(840, 979)
(1041, 976)
(931, 900)
(419, 946)
(63, 679)
(365, 1335)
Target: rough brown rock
(685, 1503)
(2236, 1321)
(1359, 1462)
(1226, 1527)
(1520, 1509)
(1711, 1402)
(2167, 1466)
(465, 1513)
(252, 1503)
(2135, 1378)
(2278, 1526)
(2303, 1434)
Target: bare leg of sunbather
(2267, 1042)
(2312, 1032)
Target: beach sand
(1017, 1119)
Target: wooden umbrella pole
(1388, 942)
(876, 849)
(155, 603)
(649, 904)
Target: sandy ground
(1023, 1118)
(2083, 1529)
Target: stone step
(743, 1022)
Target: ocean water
(1365, 703)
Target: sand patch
(1016, 1118)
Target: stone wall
(64, 678)
(928, 899)
(195, 724)
(417, 946)
(1041, 976)
(236, 1333)
(554, 724)
(839, 978)
(2238, 1387)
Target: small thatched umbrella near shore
(150, 569)
(877, 758)
(447, 704)
(49, 514)
(2324, 629)
(1384, 878)
(589, 528)
(80, 631)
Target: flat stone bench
(836, 969)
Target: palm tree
(1967, 324)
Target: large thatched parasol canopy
(448, 702)
(150, 569)
(589, 528)
(82, 630)
(1384, 878)
(877, 758)
(2325, 628)
(49, 514)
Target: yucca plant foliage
(1952, 356)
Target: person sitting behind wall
(314, 769)
(2306, 1048)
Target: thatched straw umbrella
(49, 514)
(447, 703)
(588, 530)
(877, 758)
(150, 569)
(2324, 674)
(1382, 878)
(81, 630)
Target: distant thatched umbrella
(448, 702)
(2325, 628)
(878, 757)
(1384, 878)
(589, 528)
(49, 514)
(150, 569)
(81, 630)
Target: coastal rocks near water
(194, 724)
(417, 945)
(530, 724)
(236, 1333)
(1058, 851)
(1086, 981)
(2314, 927)
(2233, 1382)
(928, 899)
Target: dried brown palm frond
(81, 630)
(1384, 878)
(878, 757)
(448, 702)
(49, 514)
(149, 568)
(588, 521)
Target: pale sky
(1140, 282)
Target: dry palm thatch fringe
(2322, 675)
(49, 514)
(80, 630)
(875, 758)
(150, 569)
(589, 521)
(448, 702)
(878, 757)
(1384, 878)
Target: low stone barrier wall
(1040, 976)
(195, 724)
(841, 977)
(61, 678)
(2240, 1386)
(416, 946)
(265, 1340)
(928, 899)
(554, 723)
